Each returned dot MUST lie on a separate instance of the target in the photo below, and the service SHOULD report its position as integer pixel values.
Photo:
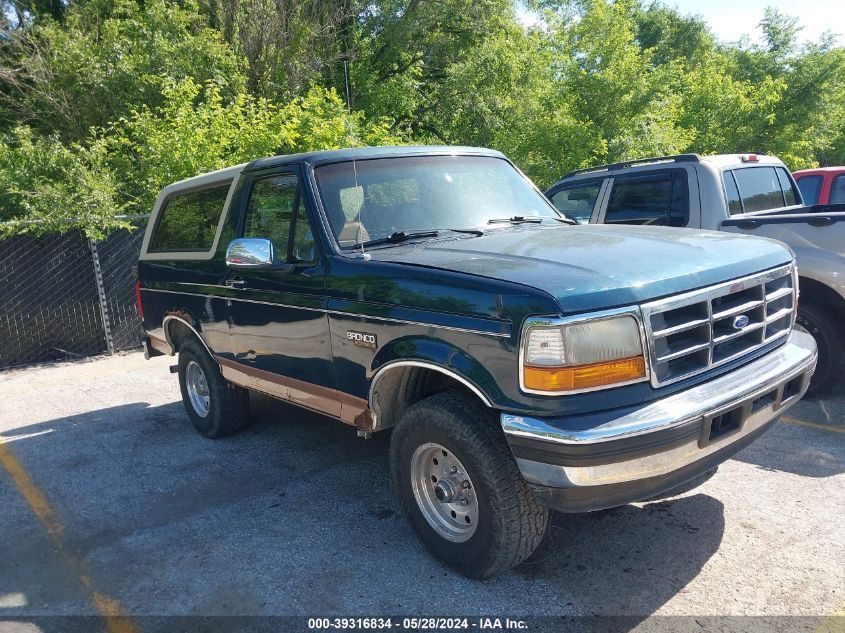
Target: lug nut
(453, 469)
(465, 485)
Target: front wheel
(821, 324)
(460, 487)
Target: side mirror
(253, 253)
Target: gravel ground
(137, 514)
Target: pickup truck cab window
(837, 190)
(761, 188)
(811, 187)
(790, 194)
(578, 201)
(822, 186)
(275, 210)
(188, 221)
(659, 198)
(375, 198)
(732, 193)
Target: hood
(595, 266)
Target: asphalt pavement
(111, 506)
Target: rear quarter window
(188, 221)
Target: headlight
(582, 355)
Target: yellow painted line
(31, 494)
(830, 428)
(116, 620)
(833, 623)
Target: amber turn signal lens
(584, 376)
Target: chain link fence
(65, 296)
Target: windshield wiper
(477, 232)
(565, 219)
(517, 219)
(399, 236)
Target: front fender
(825, 267)
(440, 355)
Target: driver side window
(276, 211)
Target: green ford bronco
(523, 363)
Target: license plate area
(724, 424)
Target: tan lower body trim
(343, 406)
(159, 345)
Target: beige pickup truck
(752, 194)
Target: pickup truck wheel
(216, 407)
(819, 323)
(459, 484)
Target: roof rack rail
(678, 158)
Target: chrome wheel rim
(197, 387)
(444, 492)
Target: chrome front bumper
(584, 463)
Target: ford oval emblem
(740, 322)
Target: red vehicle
(825, 185)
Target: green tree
(106, 59)
(631, 100)
(197, 131)
(809, 83)
(507, 96)
(49, 186)
(46, 186)
(405, 48)
(671, 36)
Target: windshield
(423, 193)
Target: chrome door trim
(335, 312)
(601, 201)
(605, 199)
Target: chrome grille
(695, 331)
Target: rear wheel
(216, 407)
(460, 487)
(820, 323)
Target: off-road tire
(228, 404)
(819, 322)
(511, 524)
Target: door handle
(235, 282)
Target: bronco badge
(362, 339)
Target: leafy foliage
(106, 59)
(197, 131)
(121, 168)
(47, 186)
(103, 102)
